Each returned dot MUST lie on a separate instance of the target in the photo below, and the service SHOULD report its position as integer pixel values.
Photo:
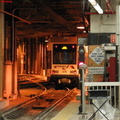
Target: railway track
(25, 81)
(47, 111)
(38, 107)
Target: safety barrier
(112, 87)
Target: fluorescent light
(96, 6)
(80, 27)
(93, 2)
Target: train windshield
(64, 54)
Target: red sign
(113, 38)
(3, 1)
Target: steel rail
(2, 114)
(19, 110)
(43, 114)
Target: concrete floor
(70, 112)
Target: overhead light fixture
(96, 6)
(80, 27)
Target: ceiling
(48, 17)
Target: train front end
(64, 62)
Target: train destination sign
(97, 55)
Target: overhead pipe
(14, 60)
(95, 13)
(109, 8)
(48, 11)
(3, 1)
(15, 16)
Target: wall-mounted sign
(96, 70)
(97, 55)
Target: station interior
(29, 28)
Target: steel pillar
(118, 40)
(1, 49)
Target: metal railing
(112, 87)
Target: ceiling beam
(41, 6)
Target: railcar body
(62, 54)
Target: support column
(3, 103)
(1, 49)
(118, 42)
(118, 33)
(14, 60)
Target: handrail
(102, 83)
(114, 88)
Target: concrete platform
(70, 112)
(4, 103)
(24, 96)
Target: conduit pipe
(15, 16)
(95, 13)
(109, 8)
(41, 5)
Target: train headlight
(59, 81)
(69, 81)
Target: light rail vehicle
(62, 61)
